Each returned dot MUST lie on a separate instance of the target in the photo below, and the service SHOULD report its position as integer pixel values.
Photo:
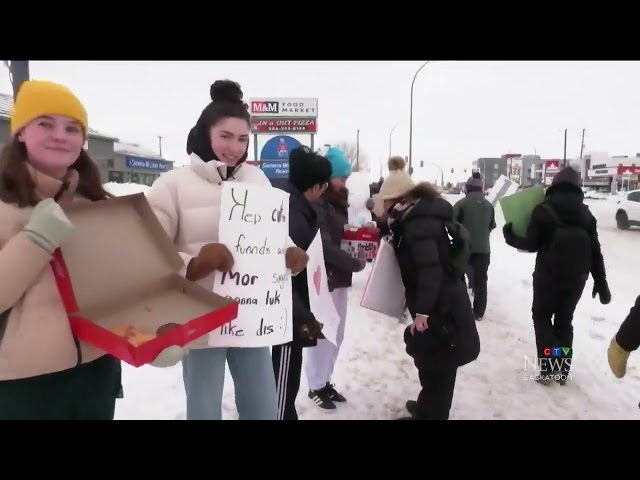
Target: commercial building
(611, 173)
(599, 170)
(118, 162)
(132, 163)
(527, 170)
(491, 168)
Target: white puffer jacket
(187, 203)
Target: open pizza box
(119, 278)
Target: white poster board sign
(384, 292)
(502, 188)
(254, 225)
(320, 299)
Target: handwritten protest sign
(320, 300)
(254, 225)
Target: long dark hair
(17, 185)
(338, 197)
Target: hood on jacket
(566, 179)
(424, 201)
(198, 142)
(566, 196)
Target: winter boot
(412, 407)
(617, 358)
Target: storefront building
(117, 161)
(132, 163)
(613, 179)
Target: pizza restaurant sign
(284, 125)
(284, 107)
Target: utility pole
(160, 137)
(565, 148)
(390, 135)
(582, 143)
(18, 74)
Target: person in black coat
(626, 340)
(561, 272)
(309, 174)
(444, 335)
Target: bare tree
(358, 159)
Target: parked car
(628, 210)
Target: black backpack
(459, 247)
(569, 255)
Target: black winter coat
(302, 230)
(567, 199)
(628, 336)
(422, 245)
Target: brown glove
(213, 256)
(296, 259)
(311, 330)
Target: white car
(628, 210)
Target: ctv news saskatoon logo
(550, 366)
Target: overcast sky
(462, 110)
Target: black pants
(553, 310)
(435, 398)
(478, 273)
(85, 392)
(287, 368)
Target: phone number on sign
(287, 128)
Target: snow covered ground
(377, 376)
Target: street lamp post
(411, 113)
(441, 171)
(390, 135)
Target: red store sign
(283, 125)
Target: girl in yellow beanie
(45, 372)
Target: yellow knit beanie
(37, 98)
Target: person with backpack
(443, 336)
(477, 215)
(563, 232)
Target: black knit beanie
(307, 168)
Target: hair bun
(226, 91)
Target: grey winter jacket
(340, 264)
